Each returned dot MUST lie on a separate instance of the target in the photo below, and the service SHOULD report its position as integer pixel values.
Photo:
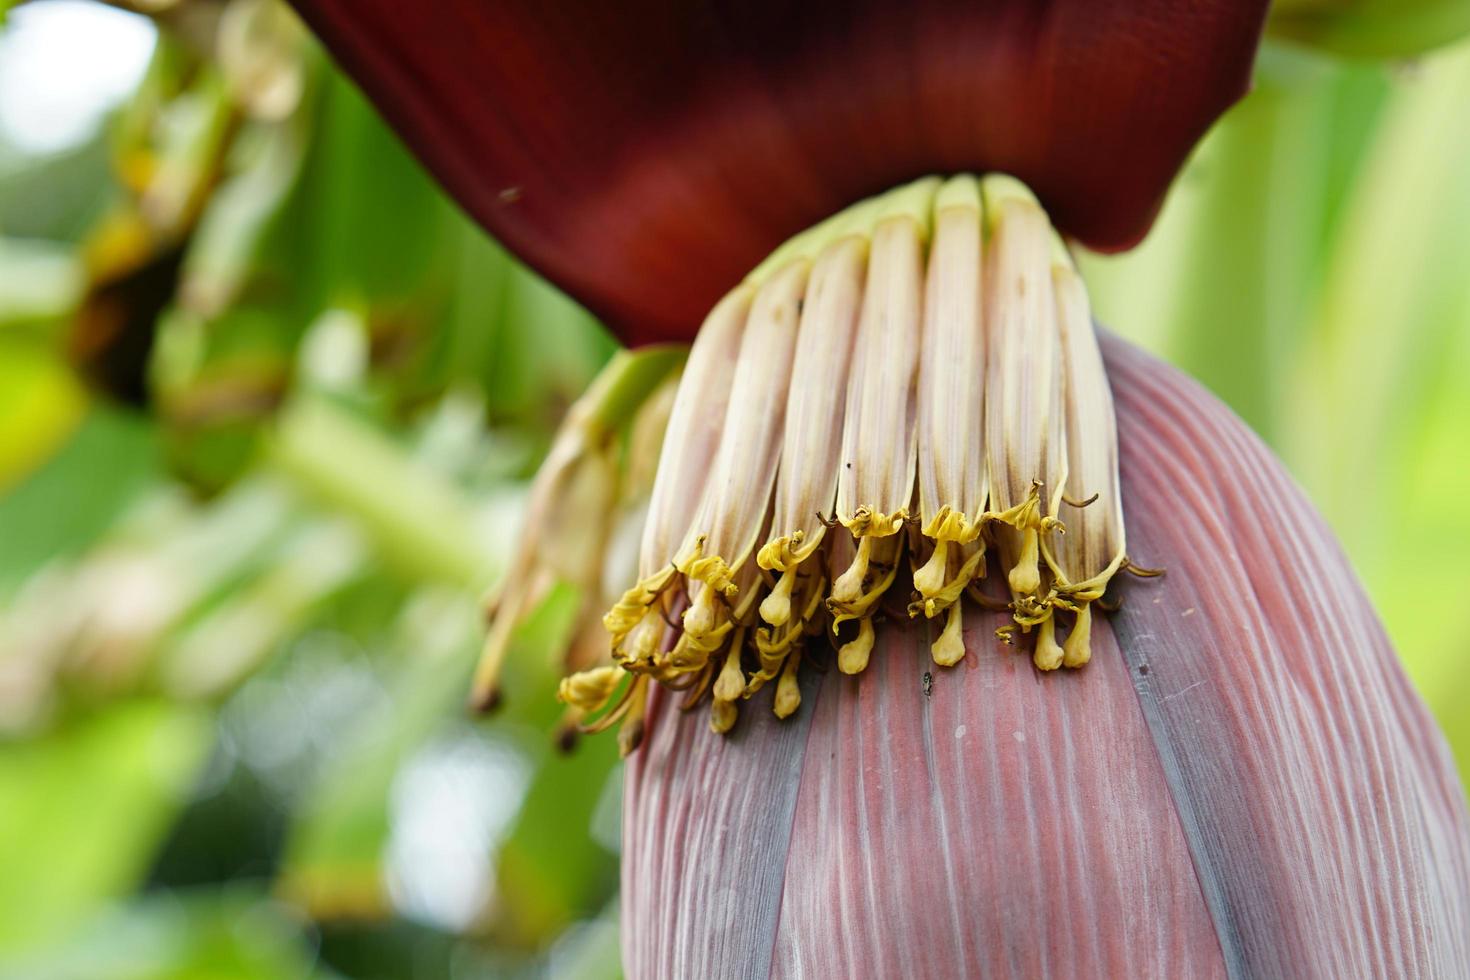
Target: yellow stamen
(1048, 654)
(642, 643)
(730, 685)
(1077, 650)
(853, 657)
(774, 645)
(931, 578)
(950, 593)
(722, 716)
(848, 587)
(703, 615)
(1025, 575)
(788, 693)
(949, 649)
(776, 607)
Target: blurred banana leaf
(84, 810)
(1372, 28)
(234, 933)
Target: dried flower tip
(572, 502)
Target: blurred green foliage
(268, 408)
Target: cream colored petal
(876, 485)
(878, 439)
(951, 469)
(951, 462)
(735, 509)
(812, 444)
(1093, 545)
(733, 512)
(690, 444)
(1024, 440)
(695, 425)
(646, 440)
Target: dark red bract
(645, 155)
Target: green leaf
(233, 933)
(417, 518)
(335, 854)
(67, 504)
(85, 809)
(1371, 28)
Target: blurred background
(269, 405)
